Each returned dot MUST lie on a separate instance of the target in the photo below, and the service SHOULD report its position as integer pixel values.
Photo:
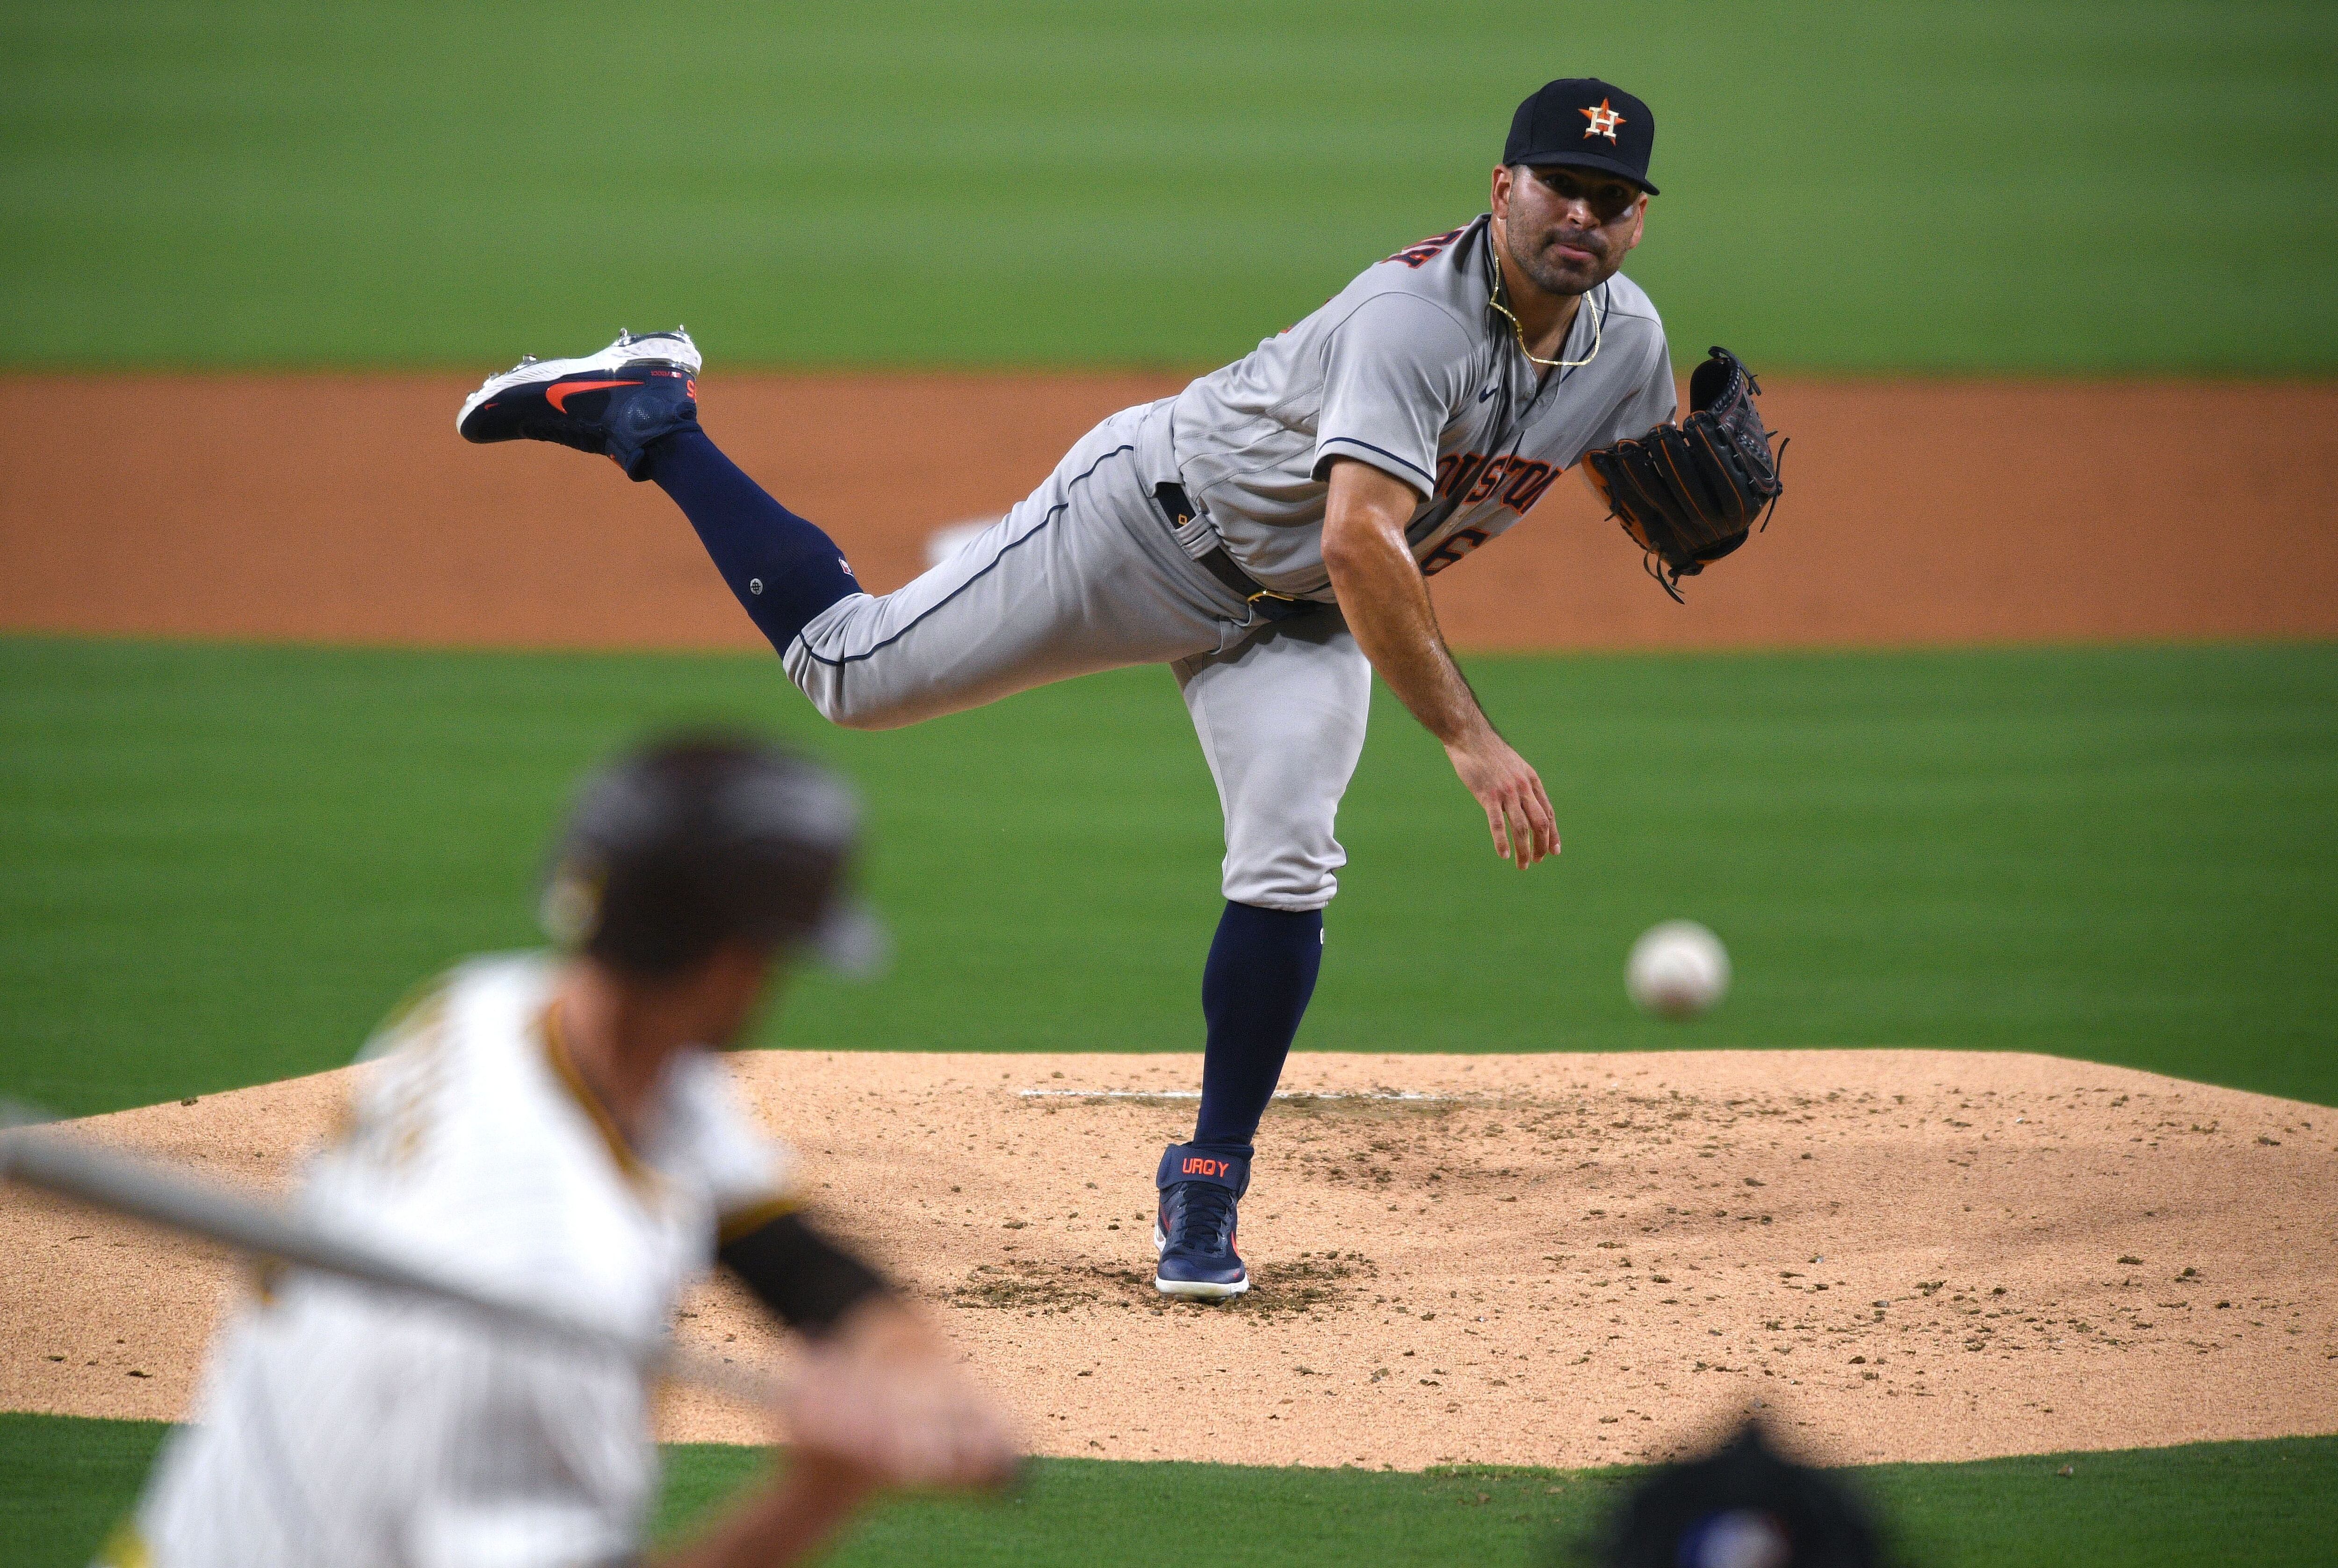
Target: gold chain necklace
(1598, 323)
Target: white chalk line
(1196, 1094)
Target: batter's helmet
(703, 840)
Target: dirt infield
(345, 509)
(1558, 1259)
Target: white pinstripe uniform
(341, 1425)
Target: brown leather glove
(1689, 493)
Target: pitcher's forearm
(1385, 601)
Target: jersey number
(1452, 550)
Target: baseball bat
(76, 1168)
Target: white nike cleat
(674, 347)
(614, 403)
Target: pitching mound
(1556, 1260)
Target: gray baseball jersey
(1407, 370)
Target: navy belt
(1178, 507)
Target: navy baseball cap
(1584, 122)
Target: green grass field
(222, 864)
(63, 1482)
(1986, 185)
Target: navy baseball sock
(1255, 990)
(782, 570)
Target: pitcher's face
(1567, 229)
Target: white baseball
(952, 537)
(1677, 970)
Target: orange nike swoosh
(558, 395)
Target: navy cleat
(1195, 1231)
(614, 403)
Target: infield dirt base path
(1558, 1260)
(344, 508)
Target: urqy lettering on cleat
(1195, 1228)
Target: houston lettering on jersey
(1520, 480)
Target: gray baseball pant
(1086, 574)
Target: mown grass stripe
(65, 1480)
(1870, 186)
(223, 864)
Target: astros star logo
(1603, 120)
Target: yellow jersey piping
(563, 1068)
(746, 1221)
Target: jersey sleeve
(1393, 374)
(750, 1179)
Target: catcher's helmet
(703, 840)
(1743, 1504)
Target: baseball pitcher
(1267, 533)
(553, 1129)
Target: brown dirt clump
(339, 508)
(1559, 1260)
